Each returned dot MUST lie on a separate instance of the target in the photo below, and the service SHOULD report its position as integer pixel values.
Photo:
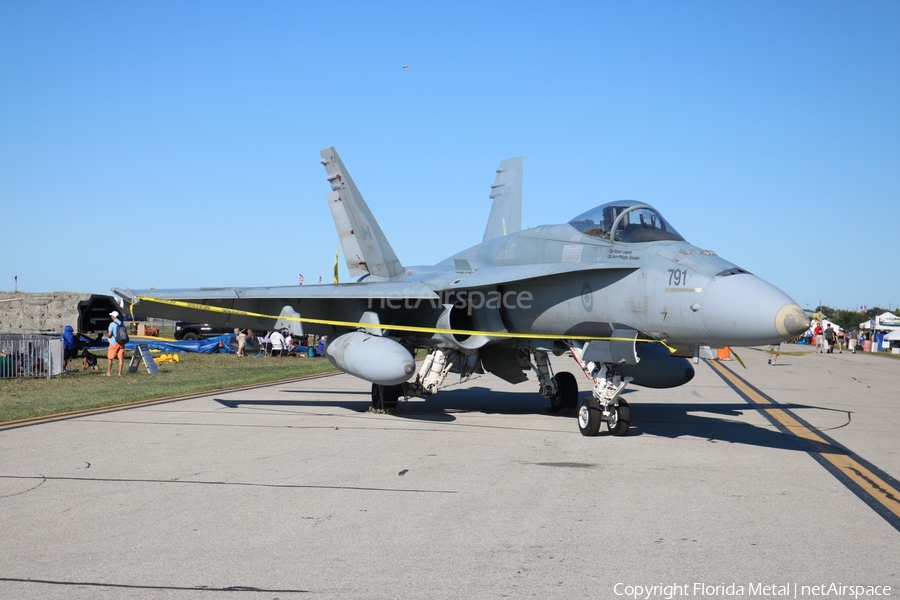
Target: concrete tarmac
(296, 491)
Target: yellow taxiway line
(876, 488)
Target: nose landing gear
(591, 416)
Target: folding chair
(265, 349)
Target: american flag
(300, 279)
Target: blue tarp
(207, 346)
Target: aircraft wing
(401, 289)
(262, 307)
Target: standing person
(69, 351)
(241, 340)
(115, 350)
(773, 354)
(817, 335)
(841, 339)
(830, 338)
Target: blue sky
(768, 132)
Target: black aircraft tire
(566, 391)
(622, 422)
(385, 397)
(392, 395)
(589, 416)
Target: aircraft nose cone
(744, 310)
(791, 321)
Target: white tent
(883, 322)
(893, 340)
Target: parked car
(198, 331)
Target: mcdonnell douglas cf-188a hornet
(616, 287)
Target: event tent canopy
(884, 322)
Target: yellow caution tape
(410, 328)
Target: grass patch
(78, 389)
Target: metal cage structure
(30, 355)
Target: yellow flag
(336, 252)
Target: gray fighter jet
(616, 287)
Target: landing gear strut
(605, 403)
(433, 371)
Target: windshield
(636, 223)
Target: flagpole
(336, 252)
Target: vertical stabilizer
(506, 192)
(366, 249)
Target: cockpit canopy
(632, 222)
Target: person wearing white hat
(115, 350)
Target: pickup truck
(198, 331)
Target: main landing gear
(604, 405)
(428, 380)
(385, 397)
(561, 389)
(566, 395)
